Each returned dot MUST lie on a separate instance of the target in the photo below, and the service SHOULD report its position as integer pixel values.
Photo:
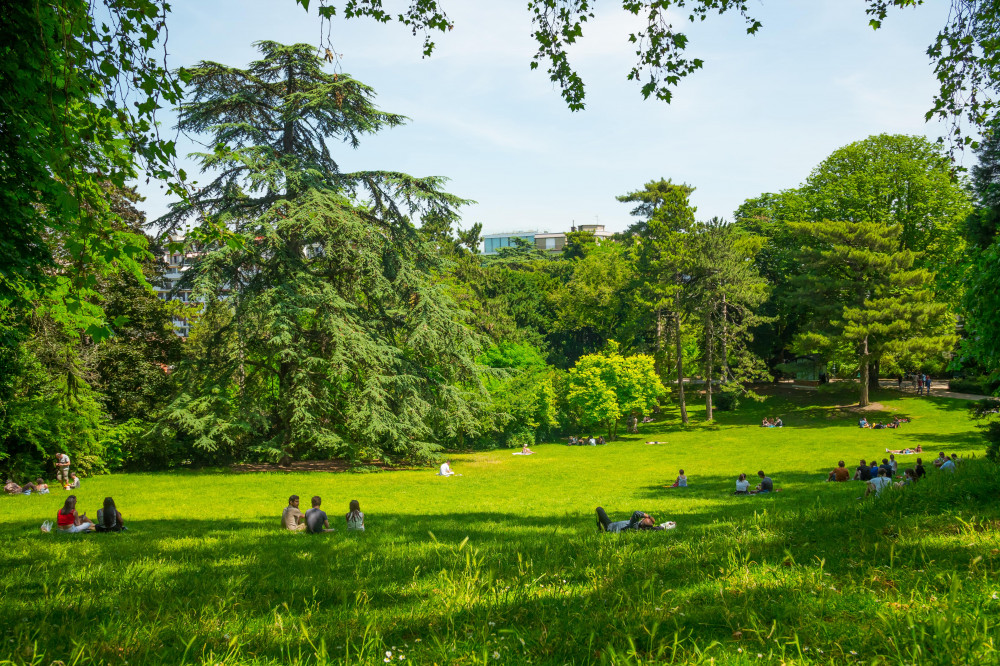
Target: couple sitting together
(766, 485)
(315, 521)
(639, 521)
(768, 423)
(109, 519)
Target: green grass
(503, 565)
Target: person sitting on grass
(873, 469)
(909, 478)
(74, 482)
(41, 487)
(68, 520)
(949, 464)
(863, 423)
(316, 520)
(742, 485)
(840, 474)
(877, 484)
(572, 441)
(640, 520)
(12, 488)
(766, 423)
(778, 423)
(355, 519)
(887, 466)
(109, 519)
(863, 472)
(940, 460)
(681, 482)
(525, 451)
(766, 485)
(446, 469)
(292, 518)
(919, 470)
(601, 441)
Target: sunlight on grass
(504, 564)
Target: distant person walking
(927, 384)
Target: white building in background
(549, 242)
(167, 290)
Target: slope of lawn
(503, 565)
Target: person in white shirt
(742, 485)
(446, 469)
(876, 485)
(62, 468)
(355, 519)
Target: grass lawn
(503, 565)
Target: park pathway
(939, 389)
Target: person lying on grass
(12, 488)
(70, 521)
(292, 518)
(681, 482)
(905, 452)
(640, 520)
(316, 520)
(355, 519)
(877, 484)
(109, 519)
(525, 451)
(742, 485)
(840, 474)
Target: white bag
(47, 527)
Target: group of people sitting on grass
(766, 485)
(315, 520)
(877, 477)
(589, 441)
(39, 487)
(772, 423)
(68, 520)
(894, 423)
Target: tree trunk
(660, 334)
(709, 333)
(874, 374)
(680, 368)
(864, 373)
(724, 351)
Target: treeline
(348, 314)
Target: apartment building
(549, 242)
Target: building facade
(549, 242)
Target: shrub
(726, 402)
(976, 385)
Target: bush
(726, 402)
(976, 385)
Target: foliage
(975, 385)
(602, 388)
(523, 395)
(324, 332)
(80, 83)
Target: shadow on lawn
(197, 580)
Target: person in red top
(69, 521)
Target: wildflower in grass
(854, 653)
(496, 655)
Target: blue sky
(758, 117)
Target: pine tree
(660, 246)
(863, 291)
(323, 333)
(723, 294)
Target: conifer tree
(324, 333)
(724, 293)
(660, 246)
(864, 291)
